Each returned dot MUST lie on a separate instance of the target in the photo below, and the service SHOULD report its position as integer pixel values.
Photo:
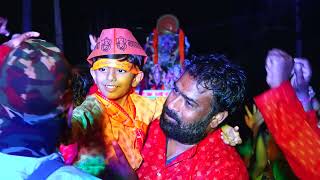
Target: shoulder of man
(222, 159)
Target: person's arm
(288, 123)
(287, 120)
(85, 114)
(6, 47)
(82, 118)
(313, 121)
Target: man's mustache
(171, 114)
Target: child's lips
(111, 87)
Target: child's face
(112, 82)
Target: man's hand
(279, 65)
(17, 40)
(120, 167)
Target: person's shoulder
(71, 173)
(218, 150)
(218, 160)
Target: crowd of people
(57, 124)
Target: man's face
(113, 83)
(187, 112)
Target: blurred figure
(81, 83)
(3, 27)
(34, 99)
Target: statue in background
(167, 47)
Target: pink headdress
(116, 41)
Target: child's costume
(128, 124)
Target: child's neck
(122, 101)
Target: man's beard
(182, 132)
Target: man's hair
(225, 79)
(134, 59)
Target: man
(293, 124)
(185, 142)
(34, 78)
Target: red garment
(293, 129)
(4, 51)
(209, 159)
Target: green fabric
(93, 165)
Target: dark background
(243, 30)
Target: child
(114, 109)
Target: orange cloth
(128, 125)
(293, 129)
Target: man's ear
(218, 119)
(137, 79)
(93, 74)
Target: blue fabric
(46, 168)
(31, 136)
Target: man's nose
(174, 103)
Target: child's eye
(122, 71)
(102, 69)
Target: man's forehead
(188, 85)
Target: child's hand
(87, 112)
(83, 116)
(230, 135)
